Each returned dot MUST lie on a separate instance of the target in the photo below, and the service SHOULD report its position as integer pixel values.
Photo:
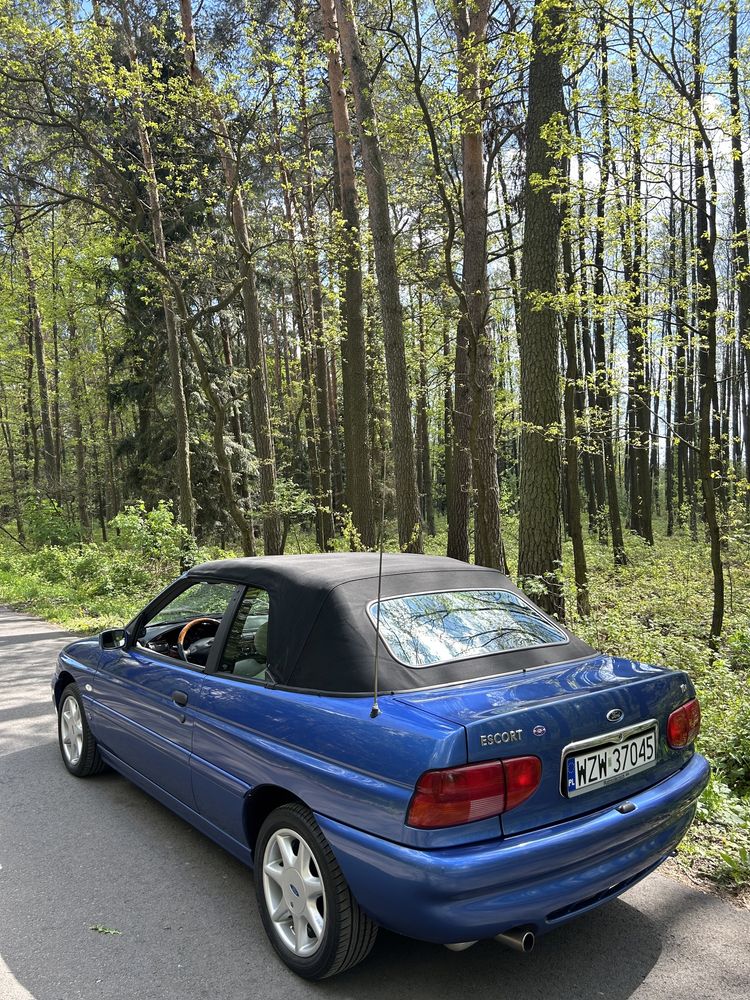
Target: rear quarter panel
(326, 751)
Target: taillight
(474, 791)
(684, 724)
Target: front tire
(308, 912)
(78, 748)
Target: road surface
(77, 854)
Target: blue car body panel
(536, 866)
(326, 751)
(536, 880)
(570, 703)
(136, 718)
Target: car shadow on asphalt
(606, 953)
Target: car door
(146, 699)
(231, 716)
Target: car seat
(255, 667)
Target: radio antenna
(375, 710)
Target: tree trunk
(325, 524)
(84, 518)
(423, 430)
(640, 493)
(298, 315)
(407, 497)
(741, 250)
(254, 347)
(603, 379)
(706, 307)
(571, 434)
(539, 542)
(471, 29)
(15, 478)
(186, 505)
(459, 481)
(353, 345)
(37, 340)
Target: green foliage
(96, 585)
(350, 537)
(47, 523)
(290, 502)
(718, 845)
(154, 535)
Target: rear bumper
(538, 879)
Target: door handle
(180, 698)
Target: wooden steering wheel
(184, 631)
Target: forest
(463, 278)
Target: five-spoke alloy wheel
(309, 914)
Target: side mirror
(113, 638)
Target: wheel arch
(260, 802)
(64, 679)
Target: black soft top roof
(322, 639)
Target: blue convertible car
(507, 778)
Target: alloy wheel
(71, 730)
(294, 892)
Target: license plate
(599, 766)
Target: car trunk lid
(546, 710)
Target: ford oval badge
(615, 714)
(539, 730)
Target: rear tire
(78, 748)
(309, 914)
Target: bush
(47, 523)
(154, 535)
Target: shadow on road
(605, 954)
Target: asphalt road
(75, 854)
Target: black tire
(89, 760)
(348, 934)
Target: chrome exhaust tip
(460, 945)
(520, 939)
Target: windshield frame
(471, 655)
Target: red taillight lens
(684, 724)
(475, 791)
(522, 777)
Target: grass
(657, 609)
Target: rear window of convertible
(421, 630)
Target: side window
(202, 598)
(185, 628)
(246, 647)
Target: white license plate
(604, 764)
